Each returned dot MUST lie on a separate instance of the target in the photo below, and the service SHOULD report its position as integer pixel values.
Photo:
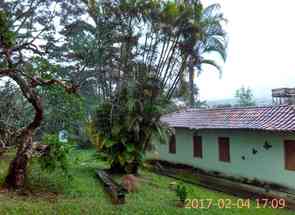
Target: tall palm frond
(211, 38)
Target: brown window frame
(224, 149)
(172, 144)
(197, 146)
(289, 148)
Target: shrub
(123, 128)
(181, 192)
(56, 156)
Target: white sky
(260, 51)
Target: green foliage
(14, 110)
(245, 97)
(7, 36)
(170, 11)
(56, 155)
(123, 129)
(181, 192)
(44, 68)
(63, 111)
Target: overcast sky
(260, 51)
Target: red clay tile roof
(273, 118)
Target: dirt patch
(27, 193)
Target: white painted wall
(266, 165)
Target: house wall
(265, 165)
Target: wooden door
(197, 146)
(290, 154)
(172, 144)
(224, 149)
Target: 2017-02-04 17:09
(239, 203)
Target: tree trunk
(117, 168)
(2, 144)
(3, 138)
(133, 168)
(191, 85)
(18, 167)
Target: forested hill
(259, 101)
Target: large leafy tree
(245, 97)
(89, 37)
(152, 39)
(27, 32)
(62, 111)
(119, 38)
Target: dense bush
(181, 192)
(56, 155)
(123, 128)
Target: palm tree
(210, 37)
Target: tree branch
(69, 88)
(32, 97)
(6, 72)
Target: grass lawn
(53, 194)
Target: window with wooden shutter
(224, 149)
(290, 155)
(197, 145)
(172, 144)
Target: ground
(52, 193)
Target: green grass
(53, 194)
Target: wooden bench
(115, 190)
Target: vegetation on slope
(54, 194)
